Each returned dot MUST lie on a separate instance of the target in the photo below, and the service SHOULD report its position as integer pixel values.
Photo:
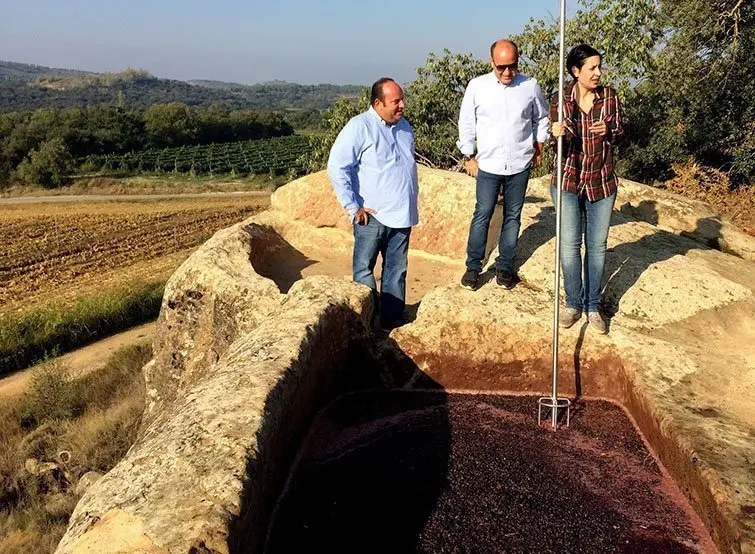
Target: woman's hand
(599, 128)
(558, 129)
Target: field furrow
(63, 250)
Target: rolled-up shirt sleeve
(342, 162)
(467, 123)
(613, 120)
(540, 116)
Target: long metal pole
(559, 179)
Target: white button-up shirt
(505, 119)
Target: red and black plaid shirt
(589, 157)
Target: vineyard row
(275, 156)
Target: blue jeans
(580, 217)
(393, 246)
(488, 185)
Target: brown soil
(59, 252)
(431, 472)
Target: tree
(333, 121)
(48, 166)
(698, 101)
(624, 31)
(433, 100)
(171, 124)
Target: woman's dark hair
(578, 55)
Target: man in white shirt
(506, 113)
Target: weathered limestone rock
(86, 481)
(643, 266)
(205, 475)
(212, 299)
(684, 216)
(446, 204)
(247, 349)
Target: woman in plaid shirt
(591, 130)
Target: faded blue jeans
(393, 246)
(488, 185)
(582, 218)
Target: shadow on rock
(274, 258)
(371, 470)
(536, 235)
(334, 469)
(626, 262)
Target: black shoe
(470, 279)
(505, 279)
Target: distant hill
(28, 87)
(24, 72)
(222, 85)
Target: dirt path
(83, 360)
(128, 197)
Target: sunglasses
(512, 67)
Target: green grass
(108, 402)
(165, 183)
(33, 336)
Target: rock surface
(86, 481)
(247, 348)
(680, 354)
(211, 300)
(197, 477)
(446, 204)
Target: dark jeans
(580, 217)
(488, 185)
(393, 245)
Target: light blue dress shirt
(372, 165)
(505, 120)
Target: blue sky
(248, 42)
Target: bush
(109, 402)
(48, 166)
(52, 396)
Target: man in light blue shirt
(506, 113)
(374, 175)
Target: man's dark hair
(511, 42)
(578, 55)
(377, 90)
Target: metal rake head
(554, 404)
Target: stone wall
(238, 373)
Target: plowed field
(60, 252)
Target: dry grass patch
(37, 334)
(59, 430)
(712, 186)
(153, 184)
